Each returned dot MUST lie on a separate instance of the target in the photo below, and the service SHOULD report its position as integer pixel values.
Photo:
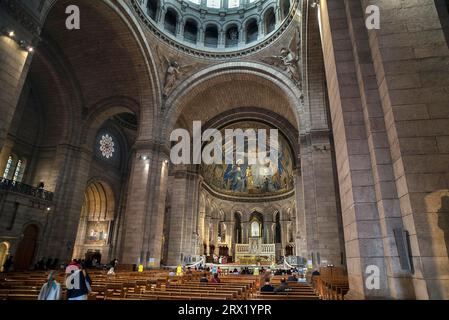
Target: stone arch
(271, 79)
(103, 111)
(252, 30)
(147, 90)
(269, 20)
(98, 213)
(171, 20)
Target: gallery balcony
(14, 187)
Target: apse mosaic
(242, 179)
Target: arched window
(232, 36)
(233, 4)
(252, 31)
(153, 8)
(15, 168)
(211, 36)
(171, 21)
(255, 229)
(270, 21)
(191, 31)
(9, 168)
(214, 4)
(18, 173)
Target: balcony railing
(22, 188)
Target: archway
(26, 250)
(96, 223)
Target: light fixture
(315, 3)
(30, 49)
(166, 162)
(11, 34)
(144, 157)
(48, 209)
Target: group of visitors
(49, 264)
(215, 278)
(77, 282)
(268, 287)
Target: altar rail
(265, 249)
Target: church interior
(356, 204)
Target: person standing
(78, 283)
(216, 279)
(51, 290)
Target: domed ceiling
(243, 179)
(217, 26)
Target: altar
(255, 252)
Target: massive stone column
(184, 217)
(15, 60)
(411, 62)
(362, 228)
(320, 215)
(71, 167)
(398, 278)
(144, 216)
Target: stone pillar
(183, 221)
(144, 216)
(245, 232)
(221, 38)
(242, 36)
(411, 66)
(14, 66)
(207, 233)
(180, 27)
(301, 243)
(71, 168)
(200, 40)
(388, 204)
(359, 204)
(215, 223)
(278, 16)
(261, 28)
(230, 236)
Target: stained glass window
(8, 168)
(107, 146)
(18, 172)
(255, 229)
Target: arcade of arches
(363, 171)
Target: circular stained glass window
(107, 146)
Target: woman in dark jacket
(78, 285)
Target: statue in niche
(173, 71)
(289, 60)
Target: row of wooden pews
(155, 285)
(297, 291)
(331, 284)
